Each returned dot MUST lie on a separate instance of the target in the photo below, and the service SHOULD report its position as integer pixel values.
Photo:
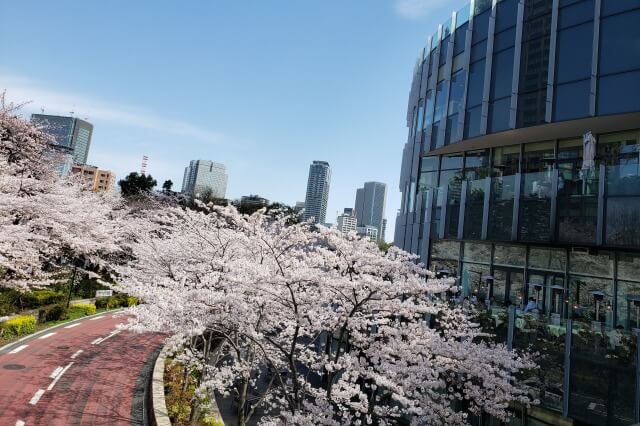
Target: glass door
(507, 286)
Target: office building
(521, 176)
(254, 201)
(347, 222)
(368, 231)
(299, 206)
(205, 178)
(371, 201)
(315, 203)
(72, 135)
(95, 179)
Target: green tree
(136, 184)
(166, 186)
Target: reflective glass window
(506, 14)
(531, 108)
(478, 51)
(444, 49)
(600, 264)
(428, 108)
(590, 299)
(509, 255)
(451, 132)
(610, 7)
(482, 6)
(619, 93)
(506, 160)
(481, 26)
(429, 164)
(534, 64)
(538, 157)
(576, 13)
(471, 281)
(628, 301)
(477, 252)
(574, 53)
(456, 92)
(545, 259)
(502, 74)
(452, 161)
(620, 43)
(446, 250)
(460, 37)
(571, 100)
(504, 40)
(499, 115)
(472, 122)
(476, 83)
(440, 102)
(629, 266)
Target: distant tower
(145, 161)
(72, 135)
(371, 201)
(317, 192)
(202, 176)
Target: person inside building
(532, 306)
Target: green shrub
(102, 302)
(19, 325)
(118, 301)
(7, 309)
(132, 301)
(48, 297)
(83, 308)
(53, 313)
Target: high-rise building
(384, 230)
(95, 179)
(347, 222)
(521, 177)
(371, 201)
(203, 176)
(315, 204)
(253, 201)
(299, 206)
(72, 135)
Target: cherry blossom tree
(44, 218)
(306, 326)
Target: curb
(55, 327)
(160, 412)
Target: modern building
(299, 206)
(95, 179)
(521, 177)
(347, 222)
(254, 201)
(371, 201)
(384, 230)
(203, 176)
(72, 135)
(368, 231)
(315, 203)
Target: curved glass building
(521, 177)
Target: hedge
(19, 325)
(84, 308)
(53, 313)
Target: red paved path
(97, 389)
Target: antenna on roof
(143, 169)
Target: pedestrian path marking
(18, 349)
(102, 339)
(95, 318)
(73, 325)
(55, 372)
(36, 397)
(64, 370)
(75, 355)
(20, 423)
(46, 336)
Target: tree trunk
(242, 401)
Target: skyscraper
(371, 201)
(317, 191)
(72, 135)
(346, 222)
(201, 176)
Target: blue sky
(263, 86)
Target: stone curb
(160, 412)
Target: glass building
(72, 135)
(203, 177)
(317, 197)
(371, 201)
(521, 178)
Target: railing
(502, 198)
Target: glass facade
(527, 216)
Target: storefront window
(472, 282)
(600, 264)
(628, 301)
(629, 266)
(509, 255)
(446, 250)
(547, 259)
(477, 252)
(506, 160)
(590, 300)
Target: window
(619, 93)
(478, 51)
(509, 255)
(574, 53)
(428, 111)
(506, 160)
(610, 7)
(477, 252)
(620, 43)
(456, 92)
(444, 49)
(575, 14)
(504, 39)
(460, 39)
(547, 259)
(472, 122)
(420, 113)
(481, 24)
(499, 112)
(506, 14)
(600, 264)
(440, 102)
(571, 100)
(502, 74)
(476, 83)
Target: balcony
(598, 207)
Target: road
(82, 373)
